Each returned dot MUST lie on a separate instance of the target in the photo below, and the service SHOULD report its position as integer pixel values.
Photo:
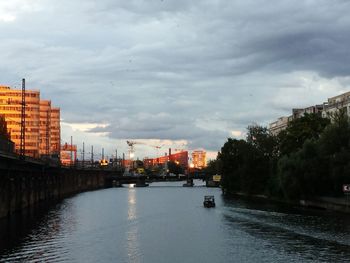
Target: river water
(168, 223)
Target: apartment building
(37, 120)
(326, 110)
(199, 159)
(333, 104)
(55, 135)
(280, 124)
(10, 108)
(44, 127)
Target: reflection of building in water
(133, 246)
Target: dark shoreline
(330, 204)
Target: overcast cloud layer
(195, 72)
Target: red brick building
(180, 158)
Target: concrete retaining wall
(23, 185)
(328, 203)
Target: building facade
(44, 127)
(10, 108)
(37, 117)
(199, 159)
(55, 135)
(298, 113)
(180, 158)
(68, 154)
(326, 110)
(334, 104)
(279, 125)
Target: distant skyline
(174, 73)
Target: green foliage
(260, 138)
(231, 156)
(175, 168)
(246, 164)
(334, 145)
(213, 167)
(303, 173)
(310, 158)
(310, 126)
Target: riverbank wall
(26, 184)
(339, 204)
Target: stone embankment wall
(25, 184)
(340, 204)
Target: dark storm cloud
(192, 70)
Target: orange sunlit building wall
(181, 158)
(68, 154)
(55, 139)
(45, 127)
(10, 108)
(42, 123)
(199, 159)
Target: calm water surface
(167, 223)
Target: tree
(261, 139)
(175, 168)
(310, 126)
(303, 173)
(213, 167)
(231, 157)
(265, 148)
(247, 165)
(334, 144)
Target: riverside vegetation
(311, 157)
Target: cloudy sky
(179, 73)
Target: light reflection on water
(167, 223)
(132, 231)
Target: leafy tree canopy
(310, 126)
(175, 168)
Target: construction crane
(182, 148)
(158, 147)
(131, 155)
(179, 150)
(131, 149)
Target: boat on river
(141, 185)
(209, 201)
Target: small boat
(209, 201)
(141, 185)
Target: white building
(340, 102)
(280, 124)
